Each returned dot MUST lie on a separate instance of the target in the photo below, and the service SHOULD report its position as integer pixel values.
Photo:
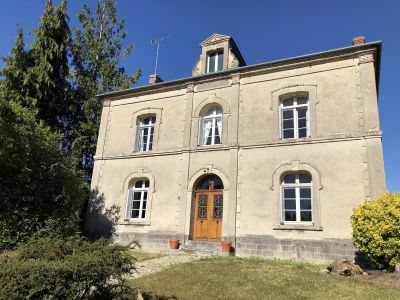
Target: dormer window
(215, 61)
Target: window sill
(298, 227)
(134, 222)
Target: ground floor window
(137, 200)
(296, 194)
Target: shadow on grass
(100, 221)
(151, 296)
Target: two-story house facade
(272, 157)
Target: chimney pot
(154, 78)
(359, 40)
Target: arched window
(296, 191)
(145, 133)
(294, 118)
(211, 127)
(138, 195)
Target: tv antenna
(157, 42)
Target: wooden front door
(207, 219)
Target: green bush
(376, 230)
(72, 268)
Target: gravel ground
(161, 263)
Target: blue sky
(263, 30)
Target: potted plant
(173, 244)
(226, 246)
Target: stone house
(272, 157)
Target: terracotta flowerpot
(173, 244)
(226, 246)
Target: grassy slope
(236, 278)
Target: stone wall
(314, 251)
(150, 241)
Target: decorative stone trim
(298, 227)
(190, 88)
(366, 58)
(235, 79)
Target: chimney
(358, 40)
(154, 78)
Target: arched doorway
(208, 208)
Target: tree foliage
(376, 230)
(40, 190)
(97, 52)
(71, 268)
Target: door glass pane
(202, 207)
(218, 207)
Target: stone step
(203, 246)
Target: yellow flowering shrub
(376, 230)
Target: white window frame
(297, 185)
(141, 190)
(219, 55)
(140, 145)
(214, 116)
(295, 108)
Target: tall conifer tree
(97, 53)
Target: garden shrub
(72, 268)
(376, 230)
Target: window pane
(137, 195)
(138, 184)
(220, 60)
(289, 193)
(305, 193)
(291, 178)
(288, 102)
(288, 124)
(302, 132)
(305, 204)
(302, 113)
(288, 133)
(218, 185)
(153, 120)
(150, 146)
(305, 216)
(144, 195)
(135, 204)
(302, 123)
(290, 204)
(304, 178)
(144, 204)
(146, 121)
(146, 183)
(217, 140)
(287, 114)
(143, 214)
(211, 62)
(135, 214)
(290, 215)
(301, 101)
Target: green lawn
(239, 278)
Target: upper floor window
(294, 118)
(137, 200)
(211, 127)
(215, 61)
(145, 133)
(296, 198)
